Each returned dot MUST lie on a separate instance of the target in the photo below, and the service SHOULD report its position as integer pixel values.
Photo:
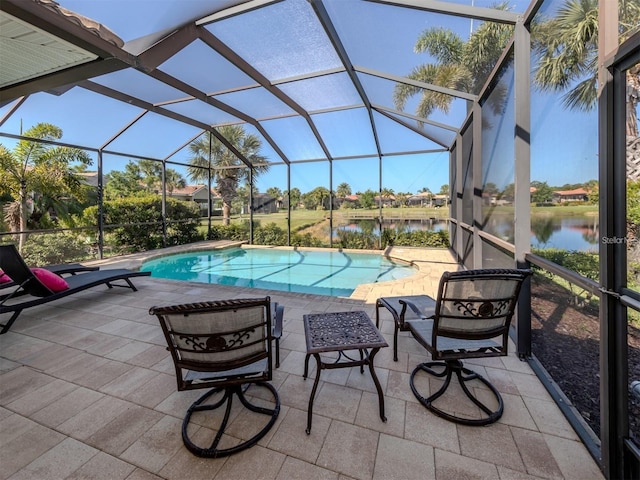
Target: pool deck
(87, 391)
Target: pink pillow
(53, 282)
(4, 278)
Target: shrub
(138, 222)
(55, 248)
(584, 263)
(234, 231)
(361, 240)
(305, 240)
(270, 234)
(420, 238)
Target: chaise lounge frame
(27, 283)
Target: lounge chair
(58, 269)
(27, 282)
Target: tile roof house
(575, 195)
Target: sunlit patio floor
(87, 391)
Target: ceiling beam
(199, 95)
(416, 83)
(331, 32)
(220, 47)
(413, 128)
(161, 51)
(137, 102)
(62, 78)
(415, 117)
(456, 9)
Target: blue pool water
(331, 273)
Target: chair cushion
(422, 331)
(254, 369)
(4, 278)
(53, 282)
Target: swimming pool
(324, 272)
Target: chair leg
(380, 305)
(227, 400)
(7, 326)
(463, 375)
(395, 341)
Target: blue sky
(564, 144)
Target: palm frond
(583, 97)
(441, 43)
(566, 50)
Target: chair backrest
(477, 304)
(14, 265)
(226, 338)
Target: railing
(550, 332)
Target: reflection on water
(571, 233)
(566, 233)
(371, 225)
(579, 233)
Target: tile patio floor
(87, 391)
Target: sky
(563, 143)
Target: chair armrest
(405, 304)
(276, 317)
(423, 314)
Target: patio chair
(45, 289)
(471, 319)
(225, 347)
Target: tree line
(41, 184)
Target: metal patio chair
(226, 347)
(471, 319)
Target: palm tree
(294, 197)
(567, 56)
(343, 190)
(460, 65)
(228, 171)
(38, 168)
(386, 194)
(401, 198)
(274, 192)
(173, 180)
(150, 174)
(317, 199)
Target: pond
(578, 232)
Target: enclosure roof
(312, 79)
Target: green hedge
(584, 263)
(417, 238)
(367, 239)
(183, 218)
(55, 248)
(269, 234)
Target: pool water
(332, 273)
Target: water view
(578, 232)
